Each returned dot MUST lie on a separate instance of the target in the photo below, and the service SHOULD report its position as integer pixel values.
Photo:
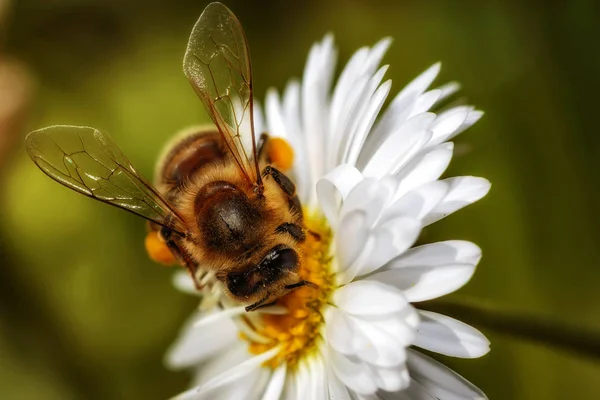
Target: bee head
(278, 268)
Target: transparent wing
(89, 162)
(217, 63)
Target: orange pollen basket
(157, 249)
(299, 331)
(280, 153)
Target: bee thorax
(228, 221)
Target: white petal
(340, 101)
(245, 388)
(355, 375)
(399, 148)
(432, 270)
(249, 387)
(426, 101)
(366, 339)
(393, 238)
(303, 382)
(310, 380)
(424, 168)
(351, 91)
(448, 89)
(275, 386)
(441, 381)
(369, 196)
(419, 202)
(340, 331)
(184, 283)
(336, 389)
(386, 241)
(462, 191)
(275, 117)
(473, 117)
(229, 357)
(448, 122)
(377, 53)
(294, 132)
(365, 116)
(238, 371)
(450, 337)
(334, 187)
(391, 379)
(257, 381)
(352, 104)
(212, 318)
(316, 84)
(235, 354)
(380, 348)
(316, 370)
(369, 298)
(291, 111)
(190, 348)
(439, 254)
(423, 81)
(357, 234)
(402, 326)
(415, 391)
(289, 389)
(353, 244)
(374, 396)
(397, 113)
(387, 125)
(284, 121)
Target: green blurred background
(85, 315)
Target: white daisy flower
(369, 183)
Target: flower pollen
(298, 331)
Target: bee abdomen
(189, 155)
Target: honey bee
(219, 202)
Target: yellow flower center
(298, 331)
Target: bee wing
(217, 64)
(89, 162)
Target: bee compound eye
(285, 259)
(239, 284)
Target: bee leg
(314, 234)
(282, 181)
(180, 254)
(260, 303)
(287, 186)
(294, 230)
(263, 305)
(300, 284)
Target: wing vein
(224, 83)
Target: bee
(219, 201)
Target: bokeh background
(85, 315)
